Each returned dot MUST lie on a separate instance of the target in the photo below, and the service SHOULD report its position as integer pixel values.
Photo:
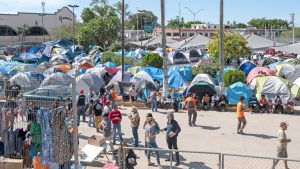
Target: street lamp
(43, 6)
(73, 6)
(123, 36)
(194, 13)
(165, 66)
(141, 11)
(221, 46)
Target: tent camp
(271, 87)
(234, 91)
(193, 55)
(43, 66)
(259, 43)
(26, 82)
(109, 64)
(294, 75)
(267, 61)
(295, 89)
(176, 79)
(118, 78)
(196, 41)
(37, 75)
(201, 84)
(86, 81)
(246, 67)
(292, 48)
(283, 70)
(177, 57)
(101, 73)
(205, 78)
(292, 61)
(144, 84)
(51, 70)
(155, 73)
(58, 78)
(258, 71)
(26, 58)
(273, 65)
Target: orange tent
(64, 67)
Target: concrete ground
(215, 132)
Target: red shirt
(115, 114)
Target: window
(37, 31)
(191, 34)
(169, 34)
(183, 34)
(201, 33)
(211, 35)
(7, 31)
(176, 34)
(206, 34)
(208, 27)
(215, 27)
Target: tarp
(177, 57)
(294, 75)
(51, 70)
(43, 66)
(258, 71)
(246, 67)
(134, 70)
(8, 65)
(176, 79)
(155, 73)
(86, 81)
(186, 71)
(64, 67)
(36, 75)
(118, 77)
(109, 64)
(26, 58)
(234, 91)
(292, 48)
(26, 82)
(271, 86)
(257, 43)
(21, 68)
(57, 78)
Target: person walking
(113, 97)
(151, 131)
(106, 125)
(153, 101)
(90, 113)
(97, 111)
(132, 95)
(282, 145)
(134, 118)
(240, 116)
(92, 94)
(190, 105)
(116, 117)
(172, 130)
(81, 105)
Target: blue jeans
(115, 128)
(153, 145)
(135, 135)
(113, 102)
(154, 105)
(91, 120)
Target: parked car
(45, 96)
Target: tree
(261, 23)
(233, 76)
(210, 69)
(87, 14)
(116, 59)
(289, 33)
(176, 23)
(189, 23)
(23, 31)
(234, 45)
(238, 26)
(117, 46)
(63, 32)
(152, 59)
(141, 19)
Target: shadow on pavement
(263, 136)
(194, 165)
(209, 127)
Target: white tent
(294, 75)
(195, 41)
(204, 78)
(284, 70)
(26, 82)
(118, 78)
(86, 81)
(292, 48)
(258, 43)
(58, 78)
(177, 57)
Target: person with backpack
(134, 118)
(97, 111)
(81, 105)
(153, 101)
(172, 130)
(190, 105)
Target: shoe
(167, 160)
(194, 124)
(241, 132)
(238, 132)
(150, 164)
(177, 164)
(190, 124)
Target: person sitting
(215, 101)
(222, 103)
(253, 103)
(205, 101)
(278, 105)
(289, 107)
(263, 104)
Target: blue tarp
(109, 64)
(155, 73)
(236, 90)
(176, 79)
(247, 67)
(186, 71)
(8, 65)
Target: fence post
(119, 157)
(222, 161)
(124, 158)
(171, 157)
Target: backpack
(190, 104)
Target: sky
(234, 10)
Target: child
(106, 125)
(270, 106)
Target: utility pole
(165, 64)
(74, 28)
(194, 13)
(293, 25)
(137, 24)
(221, 45)
(43, 6)
(123, 37)
(141, 11)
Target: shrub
(116, 59)
(233, 76)
(210, 69)
(152, 59)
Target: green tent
(295, 89)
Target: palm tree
(23, 31)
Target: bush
(117, 46)
(116, 59)
(210, 69)
(152, 59)
(233, 76)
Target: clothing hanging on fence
(36, 136)
(61, 143)
(27, 160)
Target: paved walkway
(216, 132)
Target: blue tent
(3, 71)
(176, 79)
(236, 90)
(8, 65)
(186, 71)
(246, 67)
(109, 64)
(155, 73)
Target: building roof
(257, 42)
(196, 40)
(292, 48)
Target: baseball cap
(81, 91)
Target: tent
(43, 66)
(57, 78)
(259, 43)
(186, 71)
(271, 86)
(51, 70)
(26, 58)
(86, 81)
(134, 70)
(204, 78)
(144, 84)
(292, 61)
(292, 48)
(63, 67)
(26, 82)
(101, 73)
(283, 70)
(118, 78)
(59, 59)
(294, 75)
(86, 65)
(176, 57)
(122, 88)
(234, 91)
(267, 61)
(126, 67)
(193, 55)
(202, 84)
(8, 65)
(21, 68)
(155, 73)
(37, 75)
(109, 64)
(273, 65)
(246, 67)
(295, 89)
(176, 79)
(258, 71)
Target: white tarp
(57, 78)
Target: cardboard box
(96, 140)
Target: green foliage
(23, 31)
(233, 76)
(87, 14)
(116, 59)
(234, 45)
(289, 33)
(63, 32)
(141, 19)
(210, 69)
(152, 59)
(238, 25)
(117, 46)
(261, 23)
(176, 23)
(189, 24)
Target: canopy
(86, 81)
(258, 71)
(21, 68)
(26, 82)
(176, 79)
(109, 64)
(271, 86)
(246, 67)
(57, 78)
(176, 57)
(204, 78)
(292, 48)
(234, 91)
(258, 43)
(195, 41)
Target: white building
(9, 24)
